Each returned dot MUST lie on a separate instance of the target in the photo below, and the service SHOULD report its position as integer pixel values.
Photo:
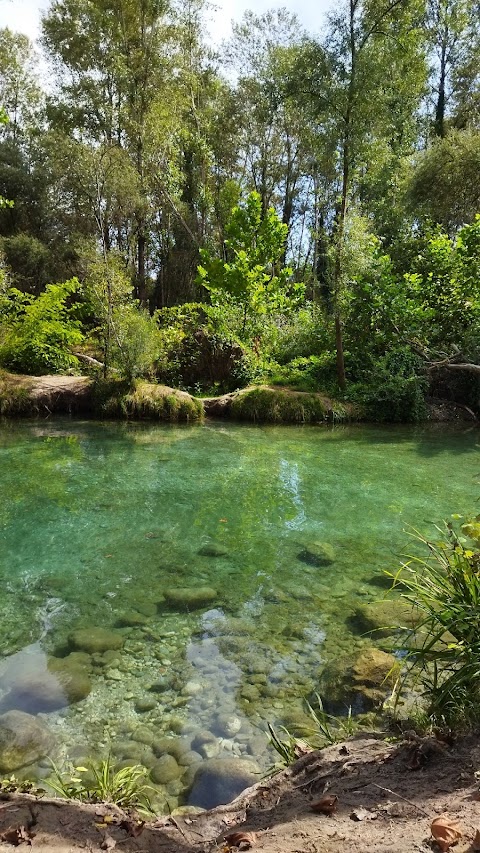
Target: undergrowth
(102, 783)
(444, 658)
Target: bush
(198, 353)
(312, 373)
(394, 390)
(40, 333)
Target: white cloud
(22, 15)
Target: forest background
(289, 209)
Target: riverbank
(385, 797)
(43, 396)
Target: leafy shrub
(39, 333)
(197, 351)
(135, 342)
(312, 373)
(394, 390)
(298, 334)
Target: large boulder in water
(362, 685)
(94, 640)
(64, 682)
(220, 780)
(23, 740)
(317, 554)
(190, 598)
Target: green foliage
(101, 782)
(128, 335)
(394, 389)
(39, 333)
(324, 730)
(444, 183)
(444, 658)
(199, 352)
(312, 373)
(252, 274)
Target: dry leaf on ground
(242, 840)
(445, 832)
(17, 835)
(326, 805)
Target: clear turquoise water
(99, 519)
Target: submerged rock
(190, 598)
(63, 683)
(131, 619)
(383, 618)
(317, 554)
(220, 780)
(361, 686)
(23, 740)
(165, 770)
(213, 549)
(93, 640)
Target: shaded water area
(164, 592)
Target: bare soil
(388, 795)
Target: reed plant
(444, 649)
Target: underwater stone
(162, 684)
(63, 683)
(186, 759)
(93, 640)
(23, 740)
(131, 619)
(190, 598)
(165, 770)
(317, 554)
(219, 780)
(228, 725)
(361, 686)
(143, 735)
(383, 618)
(144, 704)
(213, 549)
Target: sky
(24, 15)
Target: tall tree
(370, 46)
(113, 64)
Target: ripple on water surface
(168, 591)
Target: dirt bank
(388, 795)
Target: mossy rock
(269, 405)
(190, 598)
(362, 685)
(317, 554)
(131, 619)
(94, 640)
(383, 618)
(166, 769)
(23, 740)
(145, 400)
(213, 549)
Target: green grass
(101, 782)
(444, 656)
